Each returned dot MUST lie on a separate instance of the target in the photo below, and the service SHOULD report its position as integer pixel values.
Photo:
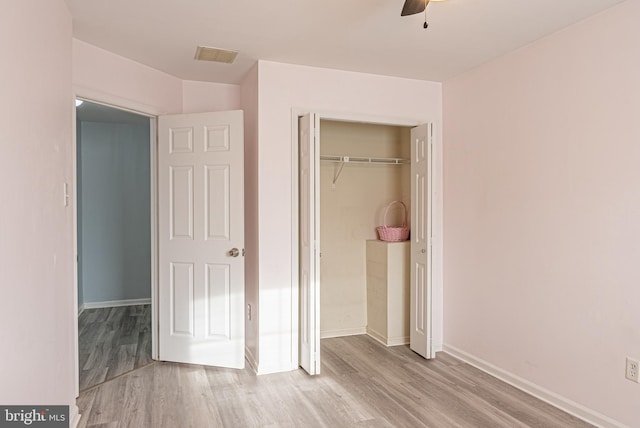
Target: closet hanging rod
(360, 159)
(342, 160)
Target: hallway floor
(113, 341)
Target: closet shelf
(360, 159)
(342, 160)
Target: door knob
(234, 252)
(423, 251)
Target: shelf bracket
(338, 171)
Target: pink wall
(198, 97)
(283, 87)
(107, 77)
(36, 252)
(249, 101)
(542, 214)
(104, 76)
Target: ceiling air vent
(205, 53)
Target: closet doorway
(350, 282)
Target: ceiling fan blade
(411, 7)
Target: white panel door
(309, 195)
(421, 220)
(201, 238)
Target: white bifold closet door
(420, 335)
(309, 241)
(309, 238)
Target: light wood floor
(363, 384)
(113, 341)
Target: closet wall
(350, 210)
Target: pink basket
(393, 233)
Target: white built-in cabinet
(388, 291)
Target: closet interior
(364, 281)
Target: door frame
(152, 113)
(295, 202)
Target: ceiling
(357, 35)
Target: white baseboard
(387, 341)
(327, 334)
(81, 309)
(397, 341)
(375, 335)
(74, 416)
(114, 303)
(251, 360)
(556, 400)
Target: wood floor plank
(363, 384)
